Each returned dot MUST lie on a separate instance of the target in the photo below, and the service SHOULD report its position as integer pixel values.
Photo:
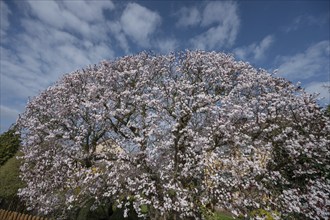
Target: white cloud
(188, 17)
(139, 23)
(19, 77)
(90, 11)
(322, 88)
(223, 18)
(50, 12)
(8, 112)
(217, 12)
(259, 50)
(4, 19)
(119, 35)
(311, 63)
(255, 51)
(49, 46)
(167, 45)
(8, 116)
(305, 20)
(65, 15)
(58, 48)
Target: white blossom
(176, 133)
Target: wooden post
(2, 214)
(11, 215)
(15, 215)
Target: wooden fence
(10, 215)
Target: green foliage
(106, 210)
(267, 215)
(218, 216)
(86, 213)
(171, 192)
(327, 111)
(9, 144)
(144, 209)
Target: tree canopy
(197, 131)
(9, 144)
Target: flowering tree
(197, 131)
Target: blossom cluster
(196, 130)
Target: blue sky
(42, 40)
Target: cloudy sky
(42, 40)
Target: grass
(9, 177)
(219, 216)
(10, 183)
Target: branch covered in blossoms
(172, 136)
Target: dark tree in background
(9, 144)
